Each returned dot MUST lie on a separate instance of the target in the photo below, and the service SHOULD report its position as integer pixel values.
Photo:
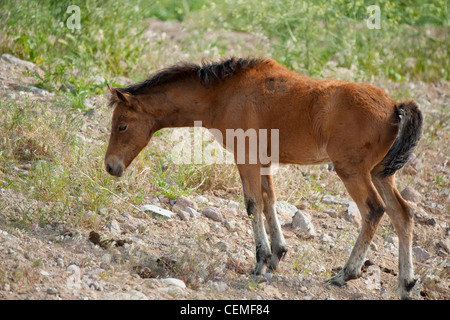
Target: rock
(284, 206)
(174, 282)
(200, 199)
(74, 280)
(351, 214)
(213, 214)
(231, 226)
(156, 212)
(445, 244)
(233, 207)
(52, 291)
(183, 215)
(420, 254)
(16, 61)
(302, 206)
(44, 273)
(410, 194)
(218, 286)
(182, 203)
(329, 200)
(326, 238)
(34, 90)
(130, 295)
(332, 213)
(222, 246)
(302, 222)
(114, 227)
(373, 282)
(192, 212)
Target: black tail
(409, 134)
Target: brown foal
(365, 135)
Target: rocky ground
(202, 247)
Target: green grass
(412, 41)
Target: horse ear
(119, 95)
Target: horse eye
(123, 128)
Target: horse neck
(180, 105)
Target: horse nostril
(109, 168)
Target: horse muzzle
(115, 168)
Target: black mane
(207, 73)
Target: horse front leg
(251, 182)
(278, 243)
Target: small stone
(52, 291)
(302, 222)
(114, 227)
(445, 244)
(200, 199)
(192, 212)
(156, 212)
(231, 226)
(213, 214)
(13, 60)
(60, 262)
(330, 200)
(326, 238)
(284, 206)
(410, 194)
(107, 258)
(183, 215)
(332, 213)
(222, 246)
(218, 286)
(420, 254)
(44, 273)
(233, 207)
(352, 214)
(131, 295)
(373, 281)
(301, 206)
(182, 203)
(268, 275)
(174, 282)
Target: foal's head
(131, 131)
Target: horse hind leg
(402, 218)
(371, 207)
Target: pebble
(410, 194)
(183, 215)
(329, 199)
(52, 291)
(445, 244)
(213, 214)
(200, 199)
(156, 212)
(218, 286)
(174, 282)
(182, 203)
(231, 226)
(420, 254)
(130, 295)
(114, 227)
(44, 273)
(192, 212)
(351, 214)
(286, 207)
(332, 213)
(301, 221)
